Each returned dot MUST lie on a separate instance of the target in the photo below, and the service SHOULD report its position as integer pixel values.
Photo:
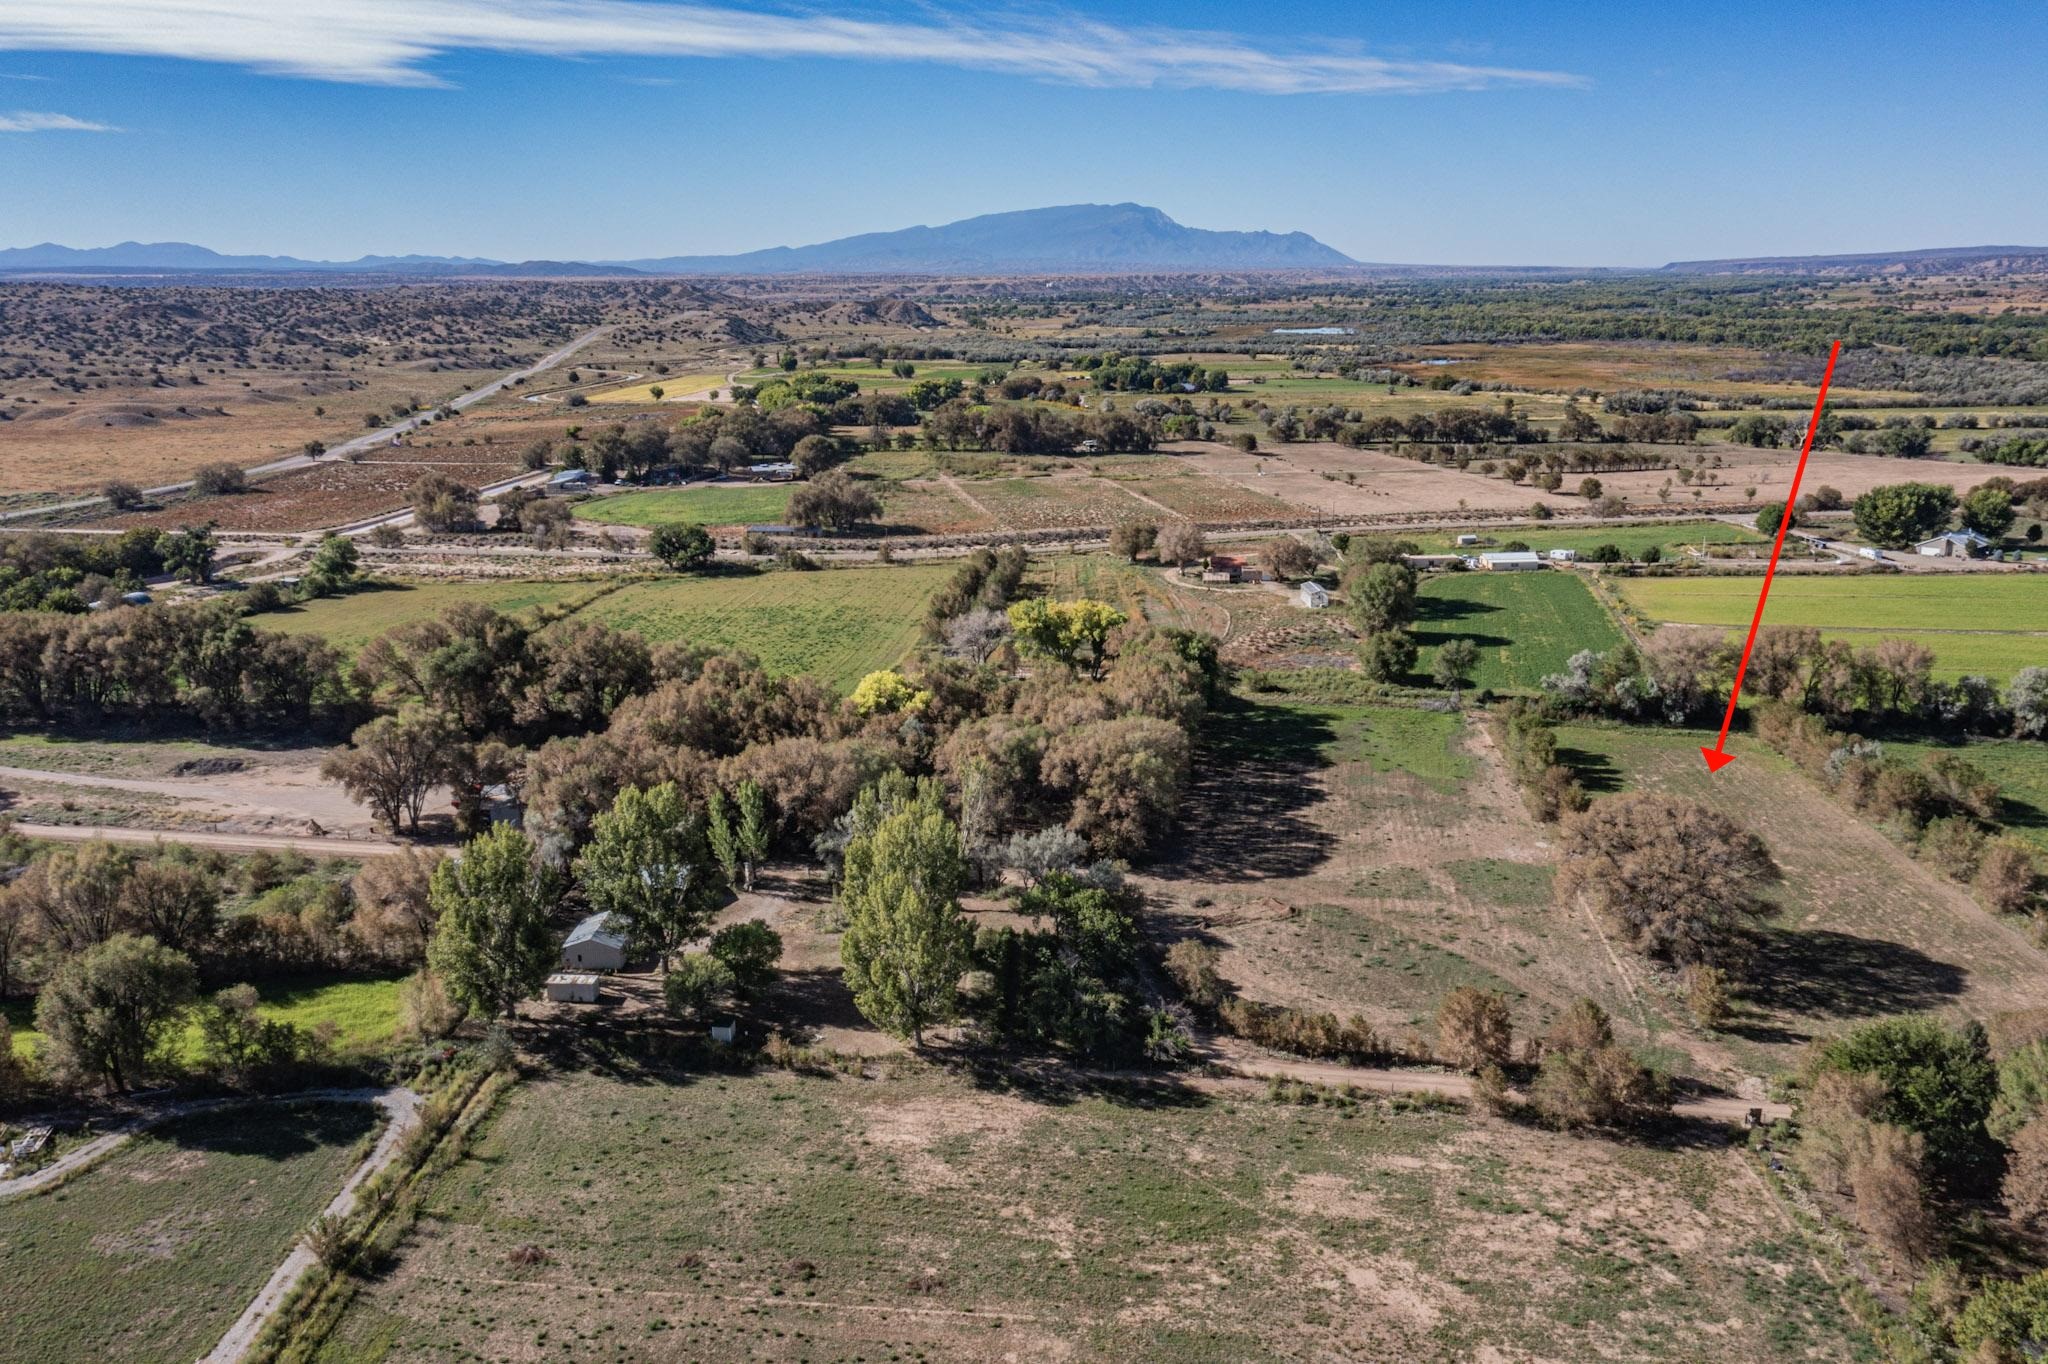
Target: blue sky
(1453, 133)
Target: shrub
(699, 986)
(219, 480)
(1473, 1029)
(1192, 965)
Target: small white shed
(572, 987)
(1563, 556)
(1314, 596)
(594, 945)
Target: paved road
(383, 435)
(320, 846)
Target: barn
(596, 944)
(1512, 561)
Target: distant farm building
(572, 987)
(1314, 596)
(1425, 562)
(1957, 544)
(1230, 568)
(1563, 556)
(1511, 561)
(594, 945)
(778, 472)
(1468, 539)
(569, 481)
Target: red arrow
(1718, 757)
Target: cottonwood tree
(749, 950)
(440, 504)
(1382, 597)
(1068, 632)
(77, 897)
(649, 865)
(104, 1013)
(681, 547)
(833, 501)
(176, 904)
(394, 902)
(1288, 557)
(1455, 661)
(492, 944)
(1674, 879)
(1180, 542)
(393, 762)
(906, 942)
(1132, 538)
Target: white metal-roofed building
(596, 944)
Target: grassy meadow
(714, 504)
(349, 622)
(363, 1010)
(1526, 624)
(150, 1257)
(917, 1215)
(834, 624)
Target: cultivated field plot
(1211, 501)
(917, 1216)
(329, 494)
(835, 624)
(674, 388)
(352, 621)
(1669, 538)
(149, 1258)
(1327, 479)
(1138, 590)
(1769, 472)
(1990, 623)
(1527, 625)
(1865, 930)
(711, 504)
(1057, 503)
(1610, 366)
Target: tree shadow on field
(1822, 974)
(273, 1131)
(1244, 817)
(1595, 771)
(1058, 1083)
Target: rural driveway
(383, 435)
(403, 1108)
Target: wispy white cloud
(24, 122)
(392, 42)
(20, 76)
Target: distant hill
(184, 257)
(1079, 238)
(1946, 260)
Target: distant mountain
(1079, 238)
(1945, 260)
(184, 257)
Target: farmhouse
(1511, 561)
(1956, 544)
(1425, 562)
(572, 987)
(1230, 568)
(594, 945)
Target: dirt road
(402, 1106)
(1241, 1059)
(312, 846)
